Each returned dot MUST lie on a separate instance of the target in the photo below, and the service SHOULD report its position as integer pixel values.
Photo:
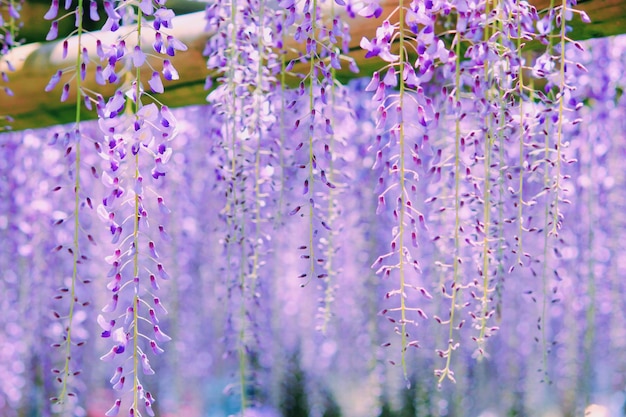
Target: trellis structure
(36, 62)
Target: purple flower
(114, 411)
(159, 335)
(138, 57)
(115, 284)
(53, 11)
(100, 50)
(159, 306)
(54, 81)
(145, 365)
(93, 11)
(153, 317)
(391, 78)
(155, 83)
(112, 304)
(106, 326)
(149, 410)
(13, 11)
(371, 9)
(153, 251)
(119, 385)
(119, 371)
(173, 45)
(146, 6)
(149, 112)
(110, 355)
(54, 31)
(163, 17)
(164, 235)
(159, 169)
(155, 348)
(65, 93)
(168, 120)
(158, 42)
(161, 271)
(154, 283)
(381, 44)
(169, 72)
(110, 10)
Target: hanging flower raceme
(400, 147)
(133, 143)
(77, 183)
(243, 38)
(464, 217)
(318, 28)
(472, 177)
(136, 150)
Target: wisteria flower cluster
(246, 257)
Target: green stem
(137, 201)
(559, 136)
(401, 231)
(312, 82)
(486, 208)
(447, 372)
(76, 246)
(520, 199)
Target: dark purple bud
(153, 251)
(145, 365)
(154, 283)
(112, 304)
(100, 76)
(93, 11)
(155, 348)
(54, 31)
(160, 336)
(114, 411)
(119, 385)
(159, 306)
(53, 81)
(65, 93)
(153, 317)
(158, 42)
(381, 204)
(53, 11)
(65, 47)
(161, 271)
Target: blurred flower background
(443, 237)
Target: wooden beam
(35, 63)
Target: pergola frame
(35, 63)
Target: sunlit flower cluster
(441, 236)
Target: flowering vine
(403, 178)
(149, 133)
(72, 140)
(243, 36)
(473, 142)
